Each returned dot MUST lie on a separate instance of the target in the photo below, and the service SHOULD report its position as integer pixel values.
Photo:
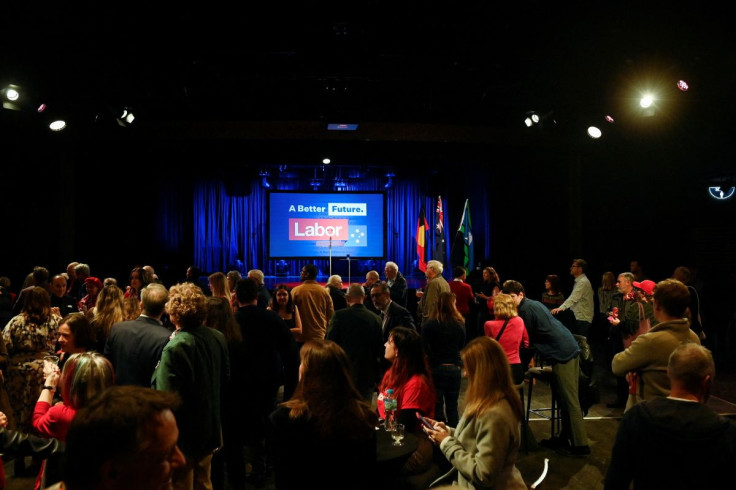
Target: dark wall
(542, 205)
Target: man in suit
(396, 282)
(392, 314)
(59, 299)
(134, 347)
(371, 279)
(358, 331)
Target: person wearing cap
(623, 316)
(648, 355)
(94, 286)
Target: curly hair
(504, 306)
(187, 305)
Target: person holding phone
(484, 446)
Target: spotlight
(532, 118)
(594, 132)
(326, 161)
(126, 117)
(264, 174)
(10, 96)
(57, 125)
(389, 180)
(340, 184)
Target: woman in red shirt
(83, 377)
(514, 335)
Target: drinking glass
(397, 434)
(50, 364)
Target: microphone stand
(330, 247)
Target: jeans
(447, 378)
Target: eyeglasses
(376, 295)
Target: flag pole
(462, 218)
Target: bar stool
(543, 374)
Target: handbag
(644, 327)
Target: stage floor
(272, 281)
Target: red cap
(94, 281)
(647, 286)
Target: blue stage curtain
(227, 228)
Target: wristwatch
(50, 388)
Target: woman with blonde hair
(484, 446)
(219, 286)
(109, 310)
(509, 330)
(84, 376)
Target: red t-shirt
(416, 394)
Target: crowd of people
(234, 382)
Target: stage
(271, 282)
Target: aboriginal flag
(422, 227)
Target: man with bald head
(358, 331)
(59, 298)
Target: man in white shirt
(580, 300)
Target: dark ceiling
(456, 72)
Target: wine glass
(397, 434)
(50, 364)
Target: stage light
(594, 132)
(389, 180)
(646, 101)
(265, 174)
(125, 117)
(326, 161)
(11, 94)
(340, 184)
(533, 118)
(57, 125)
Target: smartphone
(424, 421)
